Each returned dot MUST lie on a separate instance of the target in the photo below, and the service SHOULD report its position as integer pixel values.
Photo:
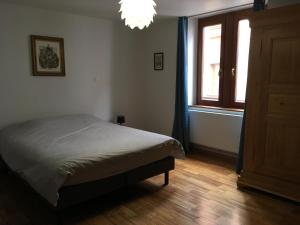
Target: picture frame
(158, 61)
(48, 57)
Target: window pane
(211, 62)
(244, 33)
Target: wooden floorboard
(202, 190)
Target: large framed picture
(47, 56)
(159, 61)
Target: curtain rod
(220, 10)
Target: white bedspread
(46, 152)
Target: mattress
(67, 150)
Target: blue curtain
(239, 165)
(181, 120)
(259, 5)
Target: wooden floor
(202, 190)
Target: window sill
(216, 110)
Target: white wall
(210, 129)
(159, 101)
(101, 78)
(109, 71)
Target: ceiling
(109, 8)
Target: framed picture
(159, 61)
(47, 56)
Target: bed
(74, 158)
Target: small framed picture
(159, 61)
(47, 56)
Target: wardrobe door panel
(282, 155)
(285, 50)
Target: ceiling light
(137, 13)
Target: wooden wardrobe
(272, 135)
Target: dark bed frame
(75, 194)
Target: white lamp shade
(137, 13)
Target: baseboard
(228, 156)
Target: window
(223, 59)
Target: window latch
(233, 72)
(220, 72)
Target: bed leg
(166, 178)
